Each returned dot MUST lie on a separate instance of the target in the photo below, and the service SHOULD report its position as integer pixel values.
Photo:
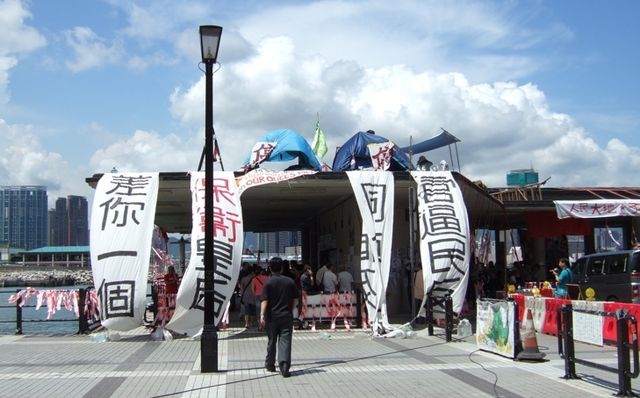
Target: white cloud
(502, 126)
(483, 40)
(149, 151)
(16, 39)
(90, 50)
(23, 161)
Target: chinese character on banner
(117, 298)
(123, 200)
(381, 154)
(260, 152)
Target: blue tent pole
(458, 157)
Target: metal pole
(209, 339)
(566, 313)
(429, 314)
(19, 314)
(624, 380)
(448, 315)
(83, 325)
(412, 256)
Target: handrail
(566, 346)
(634, 346)
(84, 326)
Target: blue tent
(289, 146)
(356, 148)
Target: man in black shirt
(279, 298)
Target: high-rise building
(275, 243)
(68, 222)
(23, 216)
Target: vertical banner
(188, 317)
(374, 192)
(444, 237)
(495, 327)
(122, 215)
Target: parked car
(615, 276)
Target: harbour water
(42, 326)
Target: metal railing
(566, 347)
(84, 324)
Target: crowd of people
(253, 277)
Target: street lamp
(209, 44)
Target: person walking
(279, 298)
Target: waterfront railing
(86, 320)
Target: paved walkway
(325, 364)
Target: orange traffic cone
(530, 350)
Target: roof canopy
(443, 139)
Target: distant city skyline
(27, 222)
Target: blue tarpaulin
(354, 154)
(443, 139)
(289, 146)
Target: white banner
(260, 177)
(124, 208)
(444, 237)
(228, 234)
(597, 208)
(374, 192)
(260, 152)
(381, 154)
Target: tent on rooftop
(283, 145)
(354, 154)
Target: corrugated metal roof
(60, 249)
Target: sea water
(42, 327)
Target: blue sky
(90, 85)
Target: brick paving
(340, 364)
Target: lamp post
(209, 44)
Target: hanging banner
(124, 208)
(374, 192)
(495, 327)
(597, 208)
(381, 154)
(260, 177)
(444, 237)
(259, 153)
(188, 317)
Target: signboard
(495, 327)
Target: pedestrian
(345, 281)
(279, 298)
(563, 276)
(171, 281)
(329, 280)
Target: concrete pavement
(325, 364)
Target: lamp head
(210, 42)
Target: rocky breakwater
(44, 278)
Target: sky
(87, 85)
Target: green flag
(319, 145)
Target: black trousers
(279, 332)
